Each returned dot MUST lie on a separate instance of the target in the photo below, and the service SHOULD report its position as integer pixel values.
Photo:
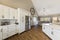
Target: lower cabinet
(47, 30)
(52, 32)
(5, 32)
(9, 31)
(0, 34)
(56, 34)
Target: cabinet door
(51, 32)
(11, 30)
(46, 29)
(43, 28)
(6, 12)
(0, 34)
(22, 22)
(56, 34)
(1, 11)
(16, 14)
(17, 29)
(5, 32)
(12, 13)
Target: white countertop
(55, 26)
(6, 25)
(52, 25)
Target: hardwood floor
(33, 34)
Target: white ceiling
(26, 4)
(47, 7)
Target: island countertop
(53, 25)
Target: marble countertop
(53, 25)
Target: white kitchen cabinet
(46, 28)
(22, 24)
(17, 28)
(53, 31)
(6, 12)
(56, 34)
(9, 30)
(12, 30)
(16, 14)
(1, 11)
(0, 33)
(5, 32)
(13, 13)
(43, 28)
(50, 32)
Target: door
(26, 23)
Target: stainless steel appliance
(27, 23)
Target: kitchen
(39, 19)
(12, 21)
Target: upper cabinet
(8, 12)
(12, 13)
(1, 11)
(16, 14)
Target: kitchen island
(52, 30)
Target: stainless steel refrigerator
(27, 23)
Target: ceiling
(47, 7)
(26, 4)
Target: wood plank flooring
(33, 34)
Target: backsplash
(7, 21)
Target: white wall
(49, 7)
